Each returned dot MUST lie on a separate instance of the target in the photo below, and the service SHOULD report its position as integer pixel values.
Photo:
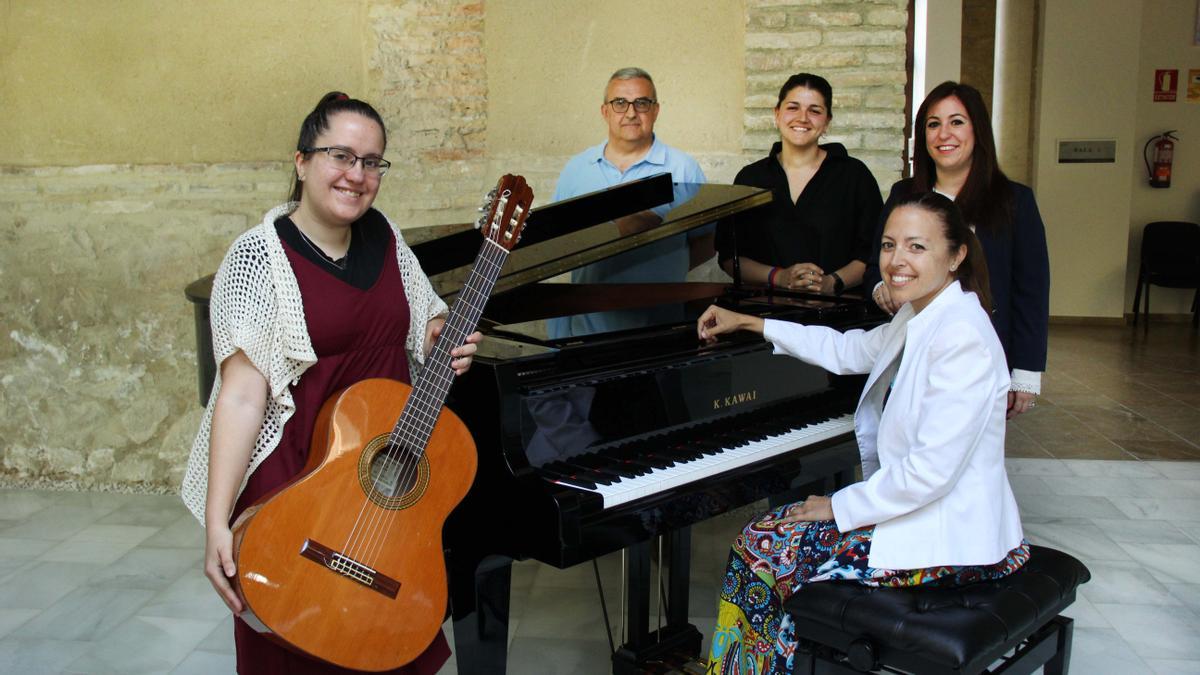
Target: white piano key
(728, 459)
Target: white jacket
(934, 484)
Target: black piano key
(568, 479)
(646, 467)
(642, 455)
(576, 482)
(605, 465)
(576, 472)
(594, 474)
(683, 452)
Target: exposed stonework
(431, 81)
(858, 46)
(98, 355)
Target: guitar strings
(457, 327)
(404, 434)
(480, 282)
(401, 454)
(419, 418)
(408, 440)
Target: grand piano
(591, 443)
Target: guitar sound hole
(394, 470)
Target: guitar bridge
(350, 568)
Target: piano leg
(679, 546)
(481, 637)
(678, 638)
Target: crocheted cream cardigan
(256, 307)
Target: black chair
(848, 628)
(1170, 258)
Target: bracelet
(838, 284)
(771, 277)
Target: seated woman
(934, 503)
(816, 233)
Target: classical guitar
(345, 563)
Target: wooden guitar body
(340, 567)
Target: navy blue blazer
(1019, 272)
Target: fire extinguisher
(1164, 154)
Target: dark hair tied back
(808, 81)
(972, 272)
(317, 123)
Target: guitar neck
(433, 383)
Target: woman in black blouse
(816, 233)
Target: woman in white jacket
(934, 503)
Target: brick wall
(858, 46)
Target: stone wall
(98, 379)
(97, 356)
(858, 46)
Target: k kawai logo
(735, 399)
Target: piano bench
(845, 627)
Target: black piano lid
(572, 233)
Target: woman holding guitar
(324, 293)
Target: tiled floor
(108, 583)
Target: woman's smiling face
(949, 135)
(333, 195)
(915, 256)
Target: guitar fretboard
(429, 392)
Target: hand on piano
(815, 507)
(718, 321)
(802, 277)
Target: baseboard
(1162, 318)
(1089, 320)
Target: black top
(1018, 273)
(829, 225)
(370, 240)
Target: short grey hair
(631, 73)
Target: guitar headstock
(505, 211)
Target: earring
(953, 268)
(301, 177)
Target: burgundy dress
(357, 334)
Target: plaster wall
(1167, 34)
(151, 82)
(548, 85)
(1013, 91)
(1084, 92)
(943, 46)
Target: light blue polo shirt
(666, 260)
(663, 261)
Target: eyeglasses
(345, 160)
(620, 105)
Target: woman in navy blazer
(958, 159)
(934, 502)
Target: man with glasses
(632, 152)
